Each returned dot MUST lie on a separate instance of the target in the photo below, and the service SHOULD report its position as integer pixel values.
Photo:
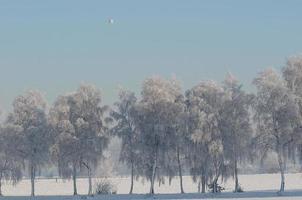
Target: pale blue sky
(55, 45)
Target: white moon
(110, 21)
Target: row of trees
(209, 130)
(73, 134)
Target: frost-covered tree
(197, 164)
(152, 121)
(81, 131)
(35, 137)
(276, 116)
(236, 125)
(125, 128)
(11, 164)
(292, 74)
(205, 103)
(178, 140)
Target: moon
(110, 21)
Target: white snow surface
(255, 186)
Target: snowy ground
(256, 187)
(256, 195)
(267, 195)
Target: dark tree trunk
(0, 184)
(132, 175)
(198, 187)
(203, 182)
(153, 176)
(215, 186)
(74, 178)
(180, 172)
(236, 177)
(89, 181)
(281, 167)
(154, 167)
(32, 178)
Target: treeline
(209, 129)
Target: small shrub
(104, 186)
(218, 188)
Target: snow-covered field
(256, 187)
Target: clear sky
(55, 45)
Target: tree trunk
(281, 167)
(32, 179)
(282, 181)
(153, 176)
(1, 184)
(214, 187)
(89, 181)
(74, 178)
(198, 187)
(217, 174)
(203, 182)
(236, 177)
(132, 174)
(154, 167)
(180, 172)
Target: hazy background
(55, 45)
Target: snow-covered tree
(292, 74)
(82, 133)
(174, 116)
(35, 137)
(11, 164)
(152, 121)
(236, 125)
(276, 116)
(197, 164)
(205, 103)
(178, 141)
(125, 128)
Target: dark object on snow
(104, 186)
(215, 188)
(239, 189)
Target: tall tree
(236, 125)
(292, 74)
(176, 141)
(153, 116)
(11, 164)
(82, 133)
(35, 137)
(276, 116)
(179, 138)
(205, 103)
(125, 128)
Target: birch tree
(276, 116)
(292, 74)
(176, 139)
(125, 128)
(205, 102)
(235, 125)
(11, 164)
(82, 133)
(153, 110)
(179, 139)
(35, 138)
